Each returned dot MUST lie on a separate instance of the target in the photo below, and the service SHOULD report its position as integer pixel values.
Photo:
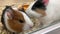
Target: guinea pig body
(16, 21)
(52, 11)
(33, 8)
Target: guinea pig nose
(30, 26)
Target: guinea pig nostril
(31, 26)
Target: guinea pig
(15, 21)
(37, 9)
(52, 12)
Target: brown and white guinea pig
(15, 21)
(37, 8)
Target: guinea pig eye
(21, 21)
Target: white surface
(46, 30)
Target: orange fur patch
(25, 6)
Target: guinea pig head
(39, 7)
(18, 20)
(36, 9)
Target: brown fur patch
(41, 11)
(14, 23)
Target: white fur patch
(52, 11)
(28, 23)
(14, 8)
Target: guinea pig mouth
(27, 27)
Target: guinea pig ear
(9, 13)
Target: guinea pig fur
(15, 21)
(52, 11)
(36, 9)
